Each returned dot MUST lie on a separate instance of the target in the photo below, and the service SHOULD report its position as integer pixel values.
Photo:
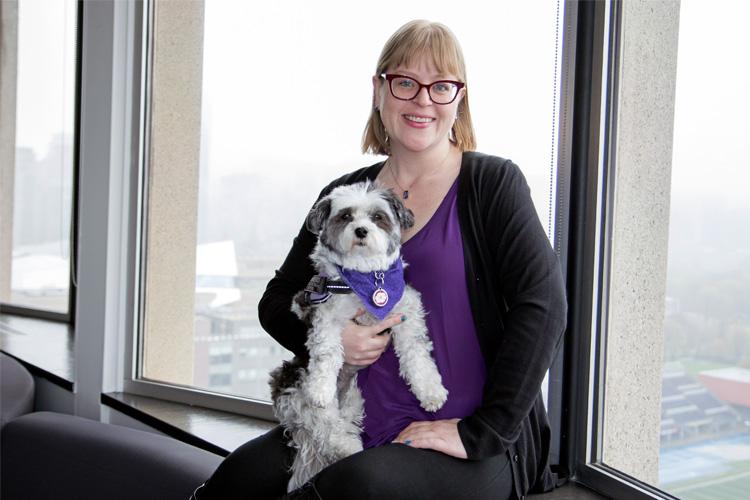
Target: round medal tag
(380, 297)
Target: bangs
(414, 42)
(423, 39)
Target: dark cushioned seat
(16, 389)
(54, 456)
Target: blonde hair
(413, 40)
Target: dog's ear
(318, 215)
(404, 215)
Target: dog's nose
(360, 232)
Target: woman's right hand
(362, 344)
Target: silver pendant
(380, 297)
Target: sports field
(716, 470)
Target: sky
(509, 47)
(711, 147)
(46, 72)
(287, 88)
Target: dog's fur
(316, 398)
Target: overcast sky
(288, 87)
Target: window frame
(132, 382)
(586, 132)
(143, 36)
(44, 314)
(598, 52)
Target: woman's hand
(438, 435)
(362, 344)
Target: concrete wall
(173, 191)
(642, 181)
(8, 79)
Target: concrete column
(173, 190)
(643, 161)
(8, 79)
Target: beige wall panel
(640, 235)
(173, 190)
(8, 79)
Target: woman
(491, 285)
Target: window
(704, 432)
(245, 130)
(37, 153)
(671, 395)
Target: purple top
(435, 261)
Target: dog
(357, 258)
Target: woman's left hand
(438, 435)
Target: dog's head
(359, 226)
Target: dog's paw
(434, 399)
(320, 395)
(346, 445)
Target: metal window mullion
(557, 404)
(581, 231)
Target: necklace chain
(404, 192)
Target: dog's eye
(346, 216)
(377, 217)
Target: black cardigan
(517, 300)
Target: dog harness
(320, 288)
(378, 290)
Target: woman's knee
(382, 472)
(261, 464)
(399, 471)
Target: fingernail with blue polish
(407, 442)
(403, 318)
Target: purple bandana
(379, 290)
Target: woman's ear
(461, 94)
(376, 82)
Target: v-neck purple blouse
(435, 260)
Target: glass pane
(42, 197)
(705, 426)
(271, 141)
(677, 398)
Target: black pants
(258, 470)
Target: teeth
(418, 119)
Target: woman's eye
(442, 88)
(405, 83)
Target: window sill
(212, 430)
(44, 347)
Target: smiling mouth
(419, 119)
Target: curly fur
(316, 398)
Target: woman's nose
(423, 97)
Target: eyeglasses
(406, 88)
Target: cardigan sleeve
(529, 287)
(274, 308)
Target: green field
(734, 485)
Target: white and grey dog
(317, 398)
